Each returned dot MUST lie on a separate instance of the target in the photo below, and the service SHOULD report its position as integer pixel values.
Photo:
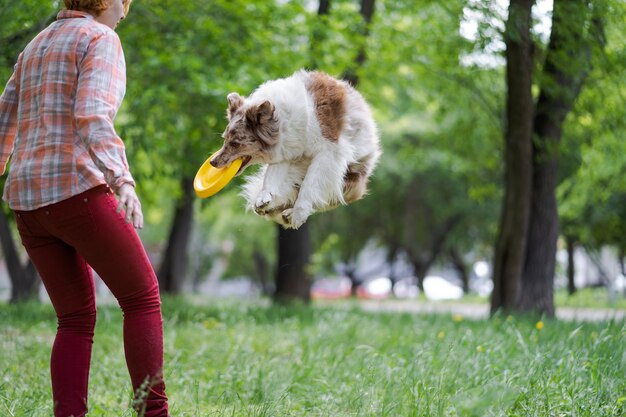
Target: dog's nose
(213, 163)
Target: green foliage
(593, 190)
(437, 119)
(225, 220)
(441, 118)
(237, 359)
(21, 21)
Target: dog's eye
(235, 144)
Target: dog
(315, 138)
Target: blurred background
(461, 207)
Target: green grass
(590, 298)
(252, 360)
(583, 298)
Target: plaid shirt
(57, 111)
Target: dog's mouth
(245, 161)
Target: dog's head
(251, 133)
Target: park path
(480, 311)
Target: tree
(511, 241)
(24, 279)
(182, 62)
(294, 245)
(524, 263)
(592, 193)
(434, 190)
(293, 280)
(565, 70)
(20, 22)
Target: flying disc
(209, 180)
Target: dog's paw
(262, 203)
(293, 218)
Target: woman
(56, 120)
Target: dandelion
(210, 323)
(480, 349)
(441, 335)
(457, 318)
(539, 325)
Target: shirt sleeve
(100, 91)
(8, 118)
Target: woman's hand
(128, 199)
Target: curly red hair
(93, 6)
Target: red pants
(63, 240)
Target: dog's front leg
(280, 188)
(322, 184)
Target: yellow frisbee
(209, 180)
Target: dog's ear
(234, 102)
(263, 122)
(261, 114)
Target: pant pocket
(22, 226)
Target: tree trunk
(297, 243)
(367, 12)
(292, 278)
(621, 264)
(24, 279)
(461, 268)
(565, 69)
(262, 267)
(391, 258)
(174, 263)
(511, 242)
(422, 259)
(420, 268)
(355, 281)
(571, 268)
(318, 34)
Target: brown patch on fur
(356, 178)
(330, 103)
(355, 183)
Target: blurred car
(377, 288)
(437, 288)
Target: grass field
(583, 298)
(253, 360)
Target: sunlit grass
(240, 359)
(591, 298)
(582, 298)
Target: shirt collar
(69, 14)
